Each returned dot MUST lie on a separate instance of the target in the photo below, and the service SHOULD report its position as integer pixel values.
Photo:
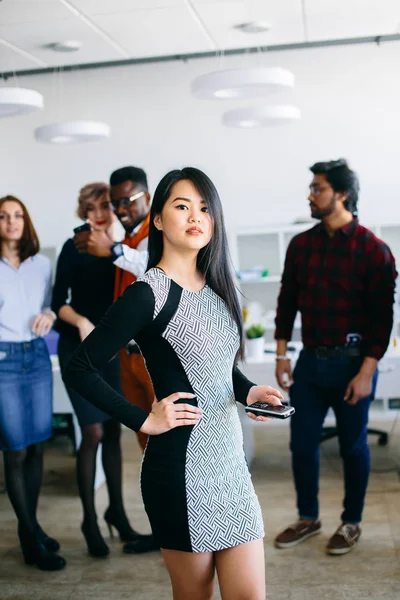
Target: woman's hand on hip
(84, 327)
(166, 415)
(263, 393)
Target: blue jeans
(318, 385)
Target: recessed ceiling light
(67, 46)
(253, 27)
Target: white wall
(349, 97)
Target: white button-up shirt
(134, 260)
(24, 293)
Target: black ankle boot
(120, 522)
(94, 540)
(37, 554)
(50, 543)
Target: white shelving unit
(267, 246)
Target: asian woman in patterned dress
(185, 316)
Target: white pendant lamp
(242, 83)
(73, 132)
(19, 101)
(261, 116)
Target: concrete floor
(372, 570)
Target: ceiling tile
(220, 17)
(166, 27)
(249, 3)
(13, 61)
(26, 11)
(99, 7)
(339, 19)
(194, 2)
(31, 37)
(155, 32)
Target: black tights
(23, 471)
(109, 434)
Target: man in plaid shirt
(341, 278)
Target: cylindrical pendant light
(241, 83)
(73, 132)
(19, 101)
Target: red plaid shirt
(340, 285)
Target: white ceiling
(112, 30)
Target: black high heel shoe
(37, 554)
(121, 524)
(94, 540)
(49, 543)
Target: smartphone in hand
(81, 236)
(276, 411)
(84, 227)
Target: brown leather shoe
(296, 533)
(344, 539)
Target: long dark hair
(29, 243)
(213, 261)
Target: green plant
(255, 331)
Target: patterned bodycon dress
(195, 483)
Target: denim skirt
(26, 394)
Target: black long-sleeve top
(84, 282)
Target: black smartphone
(277, 411)
(84, 227)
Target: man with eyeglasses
(341, 278)
(131, 202)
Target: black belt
(132, 349)
(326, 352)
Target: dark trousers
(318, 385)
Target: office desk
(387, 393)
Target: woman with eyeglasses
(83, 291)
(26, 384)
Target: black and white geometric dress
(195, 483)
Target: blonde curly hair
(90, 193)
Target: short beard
(325, 212)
